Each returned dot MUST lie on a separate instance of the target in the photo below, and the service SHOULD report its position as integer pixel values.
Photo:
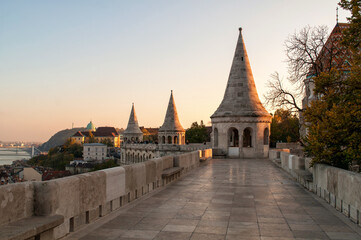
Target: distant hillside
(59, 138)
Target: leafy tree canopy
(197, 133)
(284, 127)
(334, 133)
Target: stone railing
(340, 188)
(83, 198)
(168, 147)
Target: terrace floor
(226, 199)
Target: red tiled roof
(105, 132)
(78, 134)
(340, 54)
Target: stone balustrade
(339, 187)
(83, 198)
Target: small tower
(171, 132)
(133, 132)
(90, 127)
(241, 125)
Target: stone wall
(339, 187)
(83, 198)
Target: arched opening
(215, 137)
(132, 139)
(150, 156)
(247, 137)
(137, 139)
(169, 140)
(266, 137)
(233, 137)
(175, 140)
(163, 139)
(144, 157)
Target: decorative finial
(336, 14)
(240, 29)
(171, 91)
(133, 104)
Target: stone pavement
(226, 199)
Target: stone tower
(241, 125)
(133, 132)
(171, 132)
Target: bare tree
(309, 52)
(280, 96)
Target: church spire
(171, 121)
(133, 126)
(240, 97)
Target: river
(8, 155)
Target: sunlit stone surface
(226, 199)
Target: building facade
(332, 55)
(101, 134)
(94, 151)
(241, 125)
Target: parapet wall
(84, 198)
(339, 187)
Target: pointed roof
(133, 126)
(240, 98)
(171, 121)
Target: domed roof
(90, 127)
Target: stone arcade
(241, 125)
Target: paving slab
(226, 199)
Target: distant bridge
(24, 152)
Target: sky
(69, 62)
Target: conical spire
(240, 98)
(171, 121)
(133, 126)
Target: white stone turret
(133, 132)
(241, 124)
(171, 132)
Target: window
(247, 137)
(215, 137)
(233, 137)
(175, 139)
(169, 140)
(266, 137)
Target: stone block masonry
(81, 199)
(338, 187)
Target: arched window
(215, 137)
(175, 140)
(233, 137)
(266, 137)
(163, 139)
(144, 157)
(132, 139)
(247, 137)
(150, 156)
(169, 140)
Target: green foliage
(197, 133)
(335, 117)
(284, 127)
(106, 164)
(58, 157)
